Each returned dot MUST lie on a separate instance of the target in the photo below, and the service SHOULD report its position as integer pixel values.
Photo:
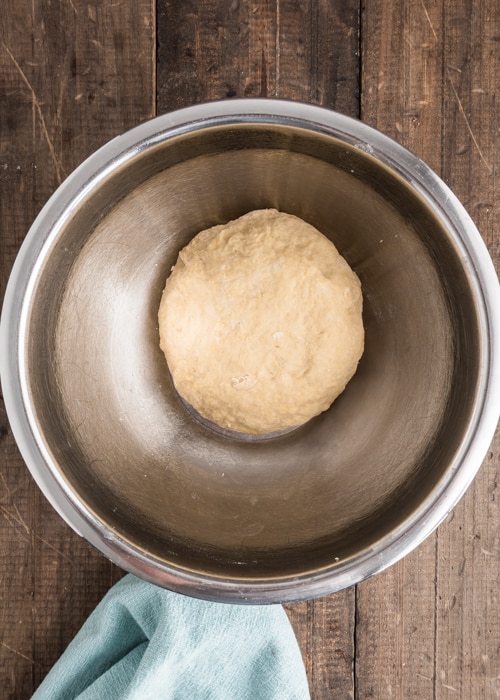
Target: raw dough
(260, 322)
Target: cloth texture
(145, 643)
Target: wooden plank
(395, 622)
(401, 94)
(468, 551)
(402, 49)
(428, 627)
(325, 632)
(72, 76)
(296, 50)
(265, 48)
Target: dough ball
(260, 322)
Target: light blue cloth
(145, 643)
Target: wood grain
(325, 632)
(431, 620)
(72, 75)
(468, 553)
(289, 49)
(306, 51)
(402, 96)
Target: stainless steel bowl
(114, 449)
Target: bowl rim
(125, 147)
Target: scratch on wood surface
(426, 678)
(429, 20)
(12, 520)
(6, 487)
(60, 174)
(20, 519)
(18, 653)
(17, 519)
(457, 96)
(57, 551)
(467, 123)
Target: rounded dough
(260, 322)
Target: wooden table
(75, 73)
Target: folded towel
(146, 643)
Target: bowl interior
(143, 465)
